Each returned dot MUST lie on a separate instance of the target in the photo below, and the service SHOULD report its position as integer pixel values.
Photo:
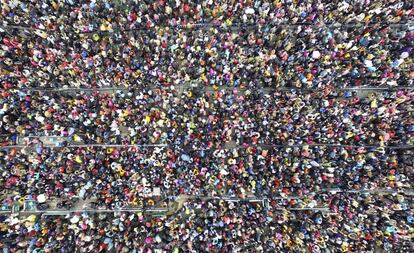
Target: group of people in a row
(92, 15)
(203, 119)
(302, 56)
(353, 223)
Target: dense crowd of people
(361, 223)
(267, 55)
(92, 15)
(292, 148)
(293, 141)
(118, 177)
(200, 119)
(243, 119)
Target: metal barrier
(65, 212)
(29, 206)
(213, 24)
(270, 89)
(238, 147)
(92, 145)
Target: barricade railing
(29, 206)
(213, 24)
(224, 87)
(379, 147)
